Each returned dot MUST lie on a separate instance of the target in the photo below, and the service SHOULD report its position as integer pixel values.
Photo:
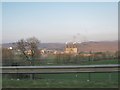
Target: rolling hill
(100, 46)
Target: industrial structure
(72, 48)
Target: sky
(60, 21)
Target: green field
(78, 80)
(114, 61)
(50, 62)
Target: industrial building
(72, 48)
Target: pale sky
(60, 22)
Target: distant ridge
(100, 46)
(58, 46)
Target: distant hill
(57, 46)
(6, 45)
(85, 46)
(99, 46)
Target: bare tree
(29, 48)
(7, 56)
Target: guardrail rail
(59, 69)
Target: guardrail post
(109, 76)
(89, 76)
(31, 77)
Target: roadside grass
(78, 80)
(61, 83)
(81, 76)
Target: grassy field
(80, 80)
(112, 61)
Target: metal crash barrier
(59, 69)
